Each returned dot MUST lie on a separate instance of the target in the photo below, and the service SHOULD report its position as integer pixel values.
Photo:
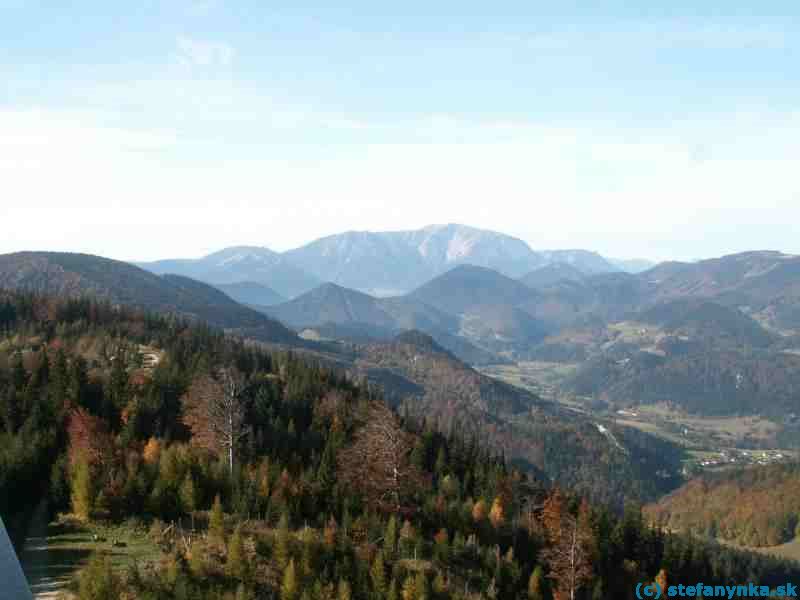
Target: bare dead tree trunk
(378, 462)
(215, 410)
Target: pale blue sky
(659, 130)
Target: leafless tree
(569, 553)
(378, 462)
(214, 409)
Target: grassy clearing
(55, 552)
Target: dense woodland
(752, 506)
(560, 446)
(288, 480)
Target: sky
(173, 128)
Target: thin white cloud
(204, 53)
(641, 36)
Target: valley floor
(710, 442)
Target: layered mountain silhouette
(76, 275)
(380, 263)
(241, 264)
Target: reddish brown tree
(570, 550)
(378, 462)
(214, 409)
(89, 438)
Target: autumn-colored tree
(281, 550)
(216, 522)
(236, 565)
(570, 549)
(89, 439)
(409, 589)
(377, 463)
(152, 451)
(290, 586)
(497, 513)
(329, 533)
(83, 489)
(197, 561)
(661, 580)
(536, 584)
(378, 575)
(390, 539)
(479, 511)
(344, 592)
(407, 537)
(214, 409)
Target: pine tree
(216, 522)
(289, 587)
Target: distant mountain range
(381, 263)
(241, 264)
(715, 336)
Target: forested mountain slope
(308, 508)
(75, 275)
(754, 506)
